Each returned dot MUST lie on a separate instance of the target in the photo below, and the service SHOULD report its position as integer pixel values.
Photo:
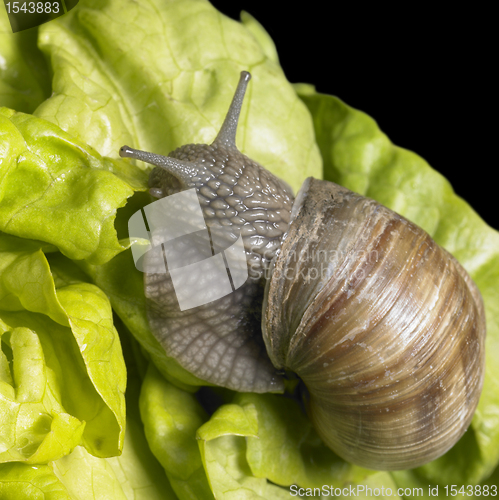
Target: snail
(385, 329)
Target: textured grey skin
(221, 342)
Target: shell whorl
(385, 329)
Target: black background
(426, 79)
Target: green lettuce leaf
(24, 74)
(262, 37)
(34, 426)
(83, 475)
(168, 79)
(63, 380)
(24, 482)
(359, 156)
(264, 439)
(229, 476)
(56, 189)
(222, 445)
(171, 418)
(133, 475)
(287, 449)
(138, 471)
(410, 484)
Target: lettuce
(171, 417)
(134, 475)
(73, 328)
(56, 189)
(24, 73)
(167, 80)
(65, 380)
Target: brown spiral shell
(384, 327)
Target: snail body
(384, 327)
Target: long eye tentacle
(227, 134)
(183, 170)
